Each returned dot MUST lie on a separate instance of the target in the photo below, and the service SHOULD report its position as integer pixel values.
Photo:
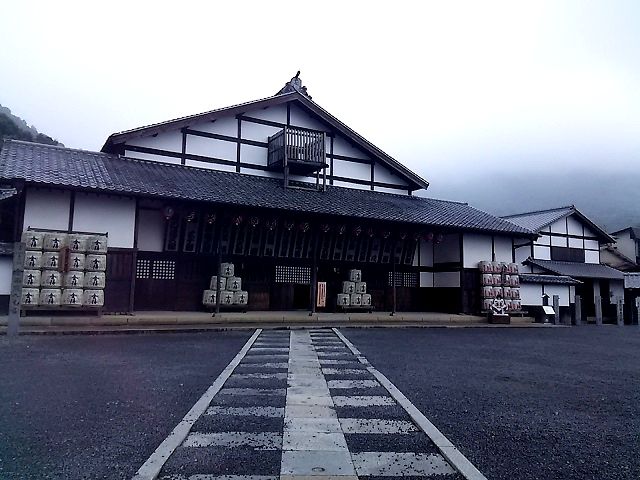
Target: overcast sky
(448, 88)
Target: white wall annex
(106, 213)
(47, 208)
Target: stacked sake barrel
(63, 269)
(231, 292)
(354, 292)
(503, 279)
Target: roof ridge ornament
(294, 85)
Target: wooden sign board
(322, 294)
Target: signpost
(321, 300)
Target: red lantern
(288, 225)
(304, 227)
(386, 234)
(429, 236)
(342, 229)
(168, 212)
(370, 232)
(271, 224)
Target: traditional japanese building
(279, 187)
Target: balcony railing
(301, 150)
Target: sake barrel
(355, 275)
(55, 241)
(93, 298)
(348, 287)
(515, 281)
(497, 291)
(97, 244)
(487, 279)
(78, 243)
(240, 297)
(96, 263)
(513, 267)
(50, 297)
(227, 269)
(495, 267)
(94, 280)
(226, 297)
(497, 279)
(234, 284)
(515, 293)
(50, 260)
(486, 304)
(33, 240)
(77, 261)
(361, 287)
(31, 278)
(221, 280)
(506, 293)
(74, 279)
(30, 296)
(51, 279)
(516, 305)
(344, 299)
(209, 297)
(32, 259)
(356, 299)
(366, 300)
(485, 267)
(72, 297)
(506, 280)
(487, 292)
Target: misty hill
(13, 127)
(610, 198)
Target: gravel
(561, 403)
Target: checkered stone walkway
(301, 404)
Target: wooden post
(556, 309)
(393, 279)
(620, 312)
(578, 310)
(13, 324)
(218, 268)
(314, 276)
(598, 301)
(638, 310)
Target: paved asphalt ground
(523, 403)
(96, 406)
(519, 403)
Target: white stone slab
(376, 425)
(306, 411)
(331, 361)
(352, 384)
(318, 389)
(246, 411)
(309, 441)
(247, 376)
(257, 440)
(269, 349)
(302, 424)
(310, 400)
(362, 401)
(393, 464)
(316, 463)
(343, 371)
(208, 476)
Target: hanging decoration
(168, 212)
(342, 229)
(429, 236)
(237, 220)
(254, 221)
(403, 235)
(357, 230)
(371, 232)
(288, 224)
(416, 236)
(271, 224)
(190, 217)
(439, 238)
(304, 227)
(211, 218)
(386, 234)
(325, 227)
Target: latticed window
(164, 270)
(403, 279)
(286, 274)
(143, 268)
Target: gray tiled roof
(548, 279)
(536, 221)
(578, 270)
(44, 164)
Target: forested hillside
(13, 127)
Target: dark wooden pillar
(314, 275)
(393, 279)
(218, 266)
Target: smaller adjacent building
(565, 261)
(625, 253)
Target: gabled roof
(65, 167)
(295, 95)
(579, 270)
(541, 219)
(548, 279)
(634, 232)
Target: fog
(454, 90)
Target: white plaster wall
(426, 279)
(476, 248)
(211, 147)
(253, 154)
(152, 157)
(592, 244)
(45, 208)
(211, 166)
(339, 183)
(541, 253)
(106, 213)
(576, 242)
(276, 113)
(170, 140)
(300, 118)
(258, 132)
(342, 147)
(591, 256)
(446, 279)
(6, 271)
(384, 175)
(575, 226)
(448, 250)
(393, 191)
(531, 294)
(503, 249)
(151, 227)
(222, 126)
(558, 241)
(359, 171)
(559, 226)
(426, 253)
(543, 240)
(616, 290)
(561, 290)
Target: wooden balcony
(297, 151)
